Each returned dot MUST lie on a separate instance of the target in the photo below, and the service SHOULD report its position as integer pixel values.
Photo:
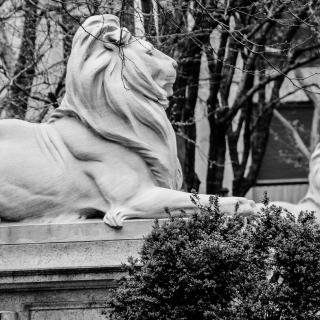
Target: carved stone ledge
(25, 247)
(87, 230)
(50, 270)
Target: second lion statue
(109, 148)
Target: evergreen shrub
(211, 266)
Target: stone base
(63, 271)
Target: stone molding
(63, 270)
(42, 248)
(88, 230)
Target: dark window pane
(282, 159)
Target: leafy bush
(216, 267)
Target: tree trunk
(240, 186)
(217, 156)
(185, 98)
(259, 141)
(16, 102)
(69, 27)
(192, 180)
(146, 6)
(244, 128)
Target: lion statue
(109, 150)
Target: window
(283, 163)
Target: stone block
(63, 271)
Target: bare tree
(252, 48)
(16, 102)
(32, 76)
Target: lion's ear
(115, 37)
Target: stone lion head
(118, 86)
(154, 70)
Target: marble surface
(64, 271)
(60, 246)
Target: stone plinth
(63, 271)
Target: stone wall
(63, 271)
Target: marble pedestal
(63, 271)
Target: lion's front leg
(151, 203)
(239, 205)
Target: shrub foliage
(216, 267)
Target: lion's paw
(247, 208)
(114, 218)
(239, 205)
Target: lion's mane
(110, 91)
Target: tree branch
(242, 99)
